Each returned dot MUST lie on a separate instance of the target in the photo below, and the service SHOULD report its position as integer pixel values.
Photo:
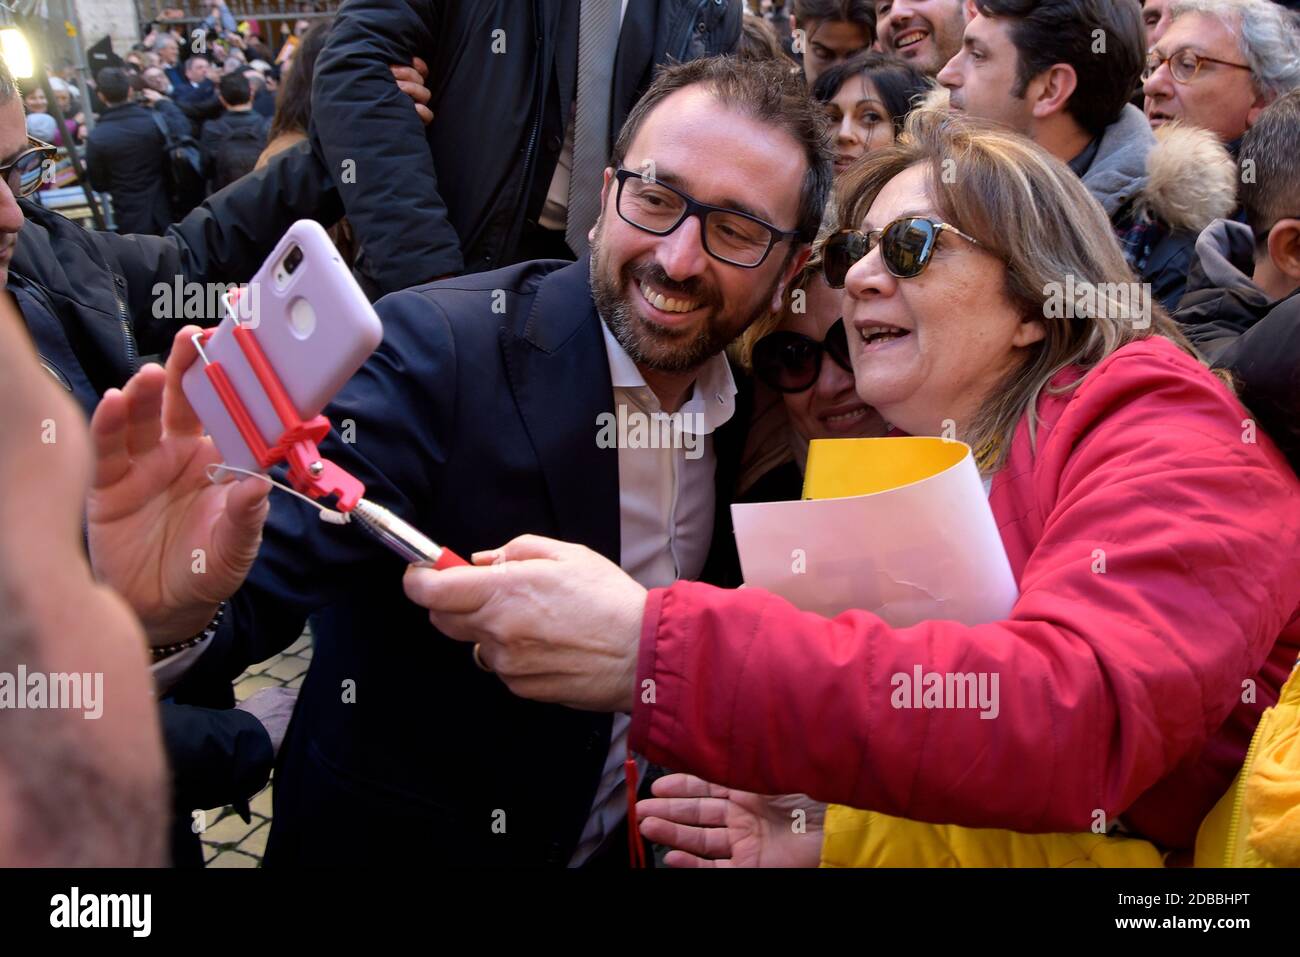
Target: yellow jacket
(1255, 824)
(867, 839)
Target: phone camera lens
(292, 260)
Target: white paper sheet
(926, 550)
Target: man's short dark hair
(764, 91)
(235, 89)
(1103, 40)
(1270, 189)
(844, 11)
(113, 85)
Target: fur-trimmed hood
(1178, 175)
(1191, 178)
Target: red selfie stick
(309, 472)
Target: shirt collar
(712, 398)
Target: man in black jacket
(124, 157)
(1242, 306)
(479, 188)
(232, 142)
(488, 411)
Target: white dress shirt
(665, 507)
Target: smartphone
(312, 321)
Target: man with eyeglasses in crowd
(484, 415)
(1219, 63)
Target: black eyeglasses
(732, 236)
(790, 362)
(906, 246)
(23, 172)
(1184, 64)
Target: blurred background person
(292, 117)
(759, 40)
(263, 97)
(73, 792)
(1155, 19)
(195, 86)
(232, 142)
(125, 157)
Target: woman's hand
(708, 825)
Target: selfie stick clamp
(309, 472)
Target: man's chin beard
(645, 345)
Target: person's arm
(225, 239)
(359, 118)
(1162, 573)
(1109, 676)
(217, 756)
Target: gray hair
(1267, 34)
(8, 85)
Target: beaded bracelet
(166, 651)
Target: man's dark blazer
(476, 420)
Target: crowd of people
(211, 93)
(844, 219)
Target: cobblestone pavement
(227, 840)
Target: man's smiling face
(671, 304)
(926, 33)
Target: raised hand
(169, 540)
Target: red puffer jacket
(1156, 540)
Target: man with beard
(479, 419)
(926, 33)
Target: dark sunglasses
(790, 362)
(906, 246)
(23, 172)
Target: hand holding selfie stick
(309, 472)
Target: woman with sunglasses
(805, 388)
(1154, 534)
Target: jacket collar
(1118, 172)
(1223, 262)
(559, 374)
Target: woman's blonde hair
(1031, 211)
